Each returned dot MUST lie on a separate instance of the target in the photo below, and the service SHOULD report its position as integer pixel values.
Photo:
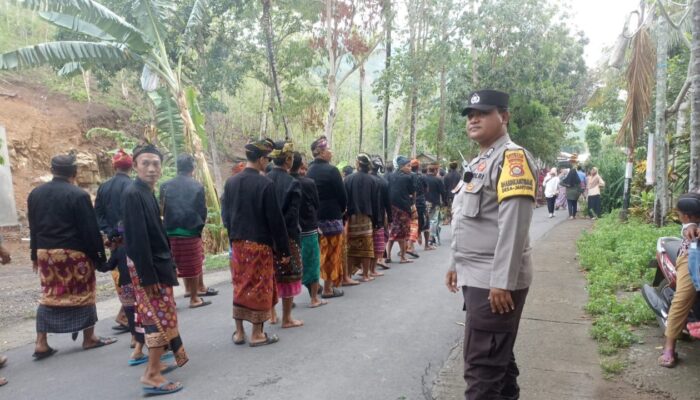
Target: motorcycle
(659, 294)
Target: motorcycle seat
(671, 246)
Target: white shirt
(551, 186)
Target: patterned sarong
(158, 317)
(379, 242)
(288, 276)
(413, 226)
(360, 234)
(67, 278)
(400, 224)
(310, 257)
(254, 288)
(332, 258)
(188, 254)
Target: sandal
(40, 355)
(336, 293)
(160, 389)
(668, 359)
(138, 361)
(268, 340)
(102, 341)
(237, 342)
(208, 292)
(202, 304)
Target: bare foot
(273, 320)
(350, 282)
(366, 279)
(375, 274)
(293, 324)
(158, 380)
(317, 303)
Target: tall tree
(660, 148)
(269, 43)
(388, 27)
(694, 181)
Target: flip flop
(119, 328)
(668, 359)
(405, 261)
(202, 304)
(158, 390)
(40, 355)
(268, 340)
(412, 254)
(388, 260)
(321, 304)
(101, 342)
(350, 284)
(237, 342)
(382, 266)
(138, 361)
(209, 292)
(167, 356)
(336, 293)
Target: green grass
(612, 366)
(215, 262)
(616, 257)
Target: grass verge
(616, 257)
(215, 262)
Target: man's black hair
(185, 164)
(296, 164)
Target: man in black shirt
(451, 181)
(66, 248)
(421, 207)
(152, 269)
(288, 191)
(332, 204)
(383, 216)
(435, 198)
(362, 214)
(257, 230)
(108, 207)
(308, 222)
(184, 215)
(401, 196)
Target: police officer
(491, 254)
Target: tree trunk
(694, 181)
(660, 140)
(387, 67)
(402, 128)
(269, 40)
(362, 84)
(414, 27)
(443, 111)
(332, 88)
(412, 128)
(215, 161)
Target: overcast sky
(602, 21)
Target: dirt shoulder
(556, 356)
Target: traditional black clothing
(362, 212)
(184, 215)
(308, 222)
(256, 226)
(288, 193)
(150, 262)
(401, 191)
(65, 242)
(108, 203)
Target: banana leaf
(61, 53)
(168, 121)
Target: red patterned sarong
(254, 288)
(157, 315)
(379, 242)
(188, 254)
(400, 224)
(288, 276)
(67, 278)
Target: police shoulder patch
(516, 177)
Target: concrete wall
(8, 212)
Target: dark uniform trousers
(489, 363)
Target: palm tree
(115, 41)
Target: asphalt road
(384, 340)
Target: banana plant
(113, 41)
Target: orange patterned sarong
(332, 254)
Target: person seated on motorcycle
(684, 298)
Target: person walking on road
(551, 190)
(436, 198)
(252, 215)
(308, 223)
(383, 217)
(491, 254)
(595, 184)
(333, 201)
(572, 183)
(561, 195)
(184, 215)
(66, 249)
(288, 192)
(152, 270)
(362, 215)
(401, 195)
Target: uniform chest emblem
(481, 167)
(469, 187)
(475, 99)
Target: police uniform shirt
(491, 219)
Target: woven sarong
(332, 258)
(400, 224)
(157, 315)
(413, 226)
(379, 242)
(310, 257)
(188, 254)
(288, 276)
(254, 288)
(360, 234)
(65, 319)
(67, 278)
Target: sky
(602, 22)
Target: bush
(616, 256)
